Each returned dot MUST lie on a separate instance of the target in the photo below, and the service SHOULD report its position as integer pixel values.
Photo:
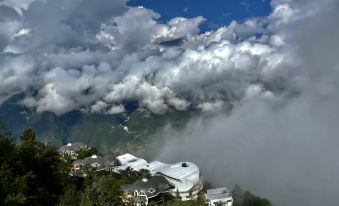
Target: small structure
(219, 196)
(141, 191)
(129, 161)
(97, 163)
(72, 149)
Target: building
(97, 163)
(219, 196)
(184, 176)
(141, 191)
(72, 149)
(129, 161)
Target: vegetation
(83, 153)
(30, 173)
(33, 174)
(102, 131)
(246, 198)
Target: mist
(267, 87)
(281, 146)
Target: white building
(185, 176)
(219, 196)
(129, 161)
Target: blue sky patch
(217, 12)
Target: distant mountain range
(130, 131)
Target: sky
(217, 12)
(266, 83)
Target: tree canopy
(34, 174)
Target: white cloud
(116, 109)
(119, 57)
(282, 85)
(215, 106)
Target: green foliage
(71, 197)
(104, 191)
(241, 198)
(15, 200)
(201, 199)
(83, 153)
(32, 173)
(29, 172)
(253, 200)
(131, 175)
(238, 195)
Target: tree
(250, 199)
(190, 194)
(83, 153)
(104, 191)
(237, 194)
(15, 200)
(241, 198)
(71, 197)
(201, 199)
(29, 172)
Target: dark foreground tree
(30, 172)
(241, 198)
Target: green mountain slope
(106, 132)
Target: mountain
(130, 131)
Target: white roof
(218, 193)
(136, 165)
(184, 175)
(128, 160)
(155, 166)
(182, 171)
(125, 158)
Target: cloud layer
(66, 55)
(280, 73)
(281, 145)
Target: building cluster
(72, 149)
(181, 180)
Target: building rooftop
(218, 193)
(126, 158)
(152, 186)
(129, 161)
(98, 162)
(181, 171)
(72, 147)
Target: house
(98, 163)
(141, 191)
(129, 161)
(219, 196)
(184, 176)
(108, 163)
(72, 149)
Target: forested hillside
(106, 132)
(32, 173)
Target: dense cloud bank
(282, 145)
(77, 54)
(279, 72)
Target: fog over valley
(264, 89)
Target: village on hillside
(182, 180)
